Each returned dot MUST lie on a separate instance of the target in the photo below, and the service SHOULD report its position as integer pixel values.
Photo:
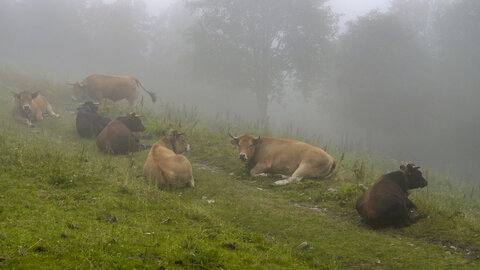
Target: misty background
(400, 78)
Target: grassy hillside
(63, 204)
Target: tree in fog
(380, 71)
(118, 34)
(261, 45)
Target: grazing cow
(165, 164)
(99, 86)
(30, 107)
(117, 137)
(295, 159)
(386, 203)
(89, 123)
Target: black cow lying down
(386, 203)
(89, 123)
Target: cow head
(24, 100)
(132, 121)
(89, 107)
(177, 141)
(246, 145)
(414, 176)
(79, 91)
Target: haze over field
(398, 78)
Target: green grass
(65, 205)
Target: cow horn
(233, 137)
(68, 83)
(95, 103)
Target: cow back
(117, 138)
(111, 87)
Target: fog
(396, 78)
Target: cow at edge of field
(30, 107)
(386, 203)
(99, 86)
(293, 159)
(117, 137)
(166, 166)
(88, 122)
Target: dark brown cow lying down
(386, 202)
(30, 107)
(117, 137)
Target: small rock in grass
(302, 245)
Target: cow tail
(152, 95)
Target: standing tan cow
(295, 159)
(99, 86)
(165, 164)
(30, 107)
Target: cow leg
(51, 112)
(23, 120)
(411, 205)
(259, 170)
(289, 180)
(297, 176)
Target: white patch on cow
(260, 175)
(188, 148)
(286, 181)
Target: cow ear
(402, 167)
(15, 95)
(257, 140)
(34, 95)
(234, 141)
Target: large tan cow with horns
(99, 86)
(30, 107)
(294, 159)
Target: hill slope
(65, 205)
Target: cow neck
(167, 143)
(405, 182)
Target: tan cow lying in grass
(30, 107)
(294, 159)
(165, 164)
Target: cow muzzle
(243, 157)
(26, 108)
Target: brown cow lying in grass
(294, 159)
(386, 203)
(165, 164)
(30, 107)
(117, 137)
